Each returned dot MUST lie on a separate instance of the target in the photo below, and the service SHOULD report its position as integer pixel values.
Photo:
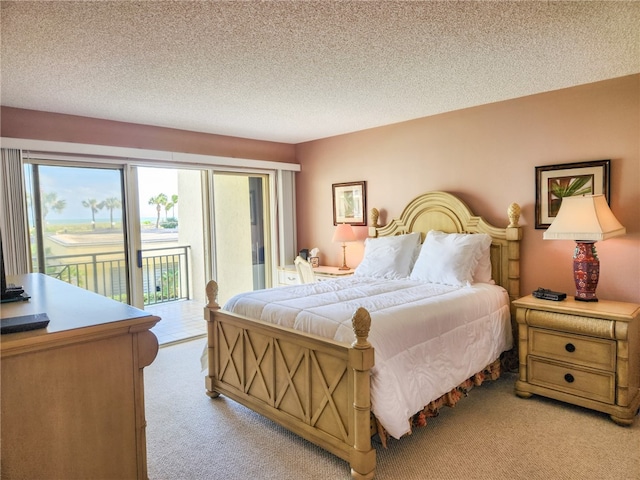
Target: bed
(309, 364)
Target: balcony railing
(165, 275)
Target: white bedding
(428, 338)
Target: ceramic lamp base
(586, 271)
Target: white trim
(210, 208)
(140, 156)
(274, 224)
(133, 235)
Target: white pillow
(482, 241)
(450, 258)
(388, 257)
(482, 273)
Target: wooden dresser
(73, 393)
(288, 275)
(585, 353)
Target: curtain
(13, 214)
(286, 214)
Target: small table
(287, 275)
(584, 353)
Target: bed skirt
(449, 399)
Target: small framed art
(349, 203)
(554, 182)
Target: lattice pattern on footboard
(314, 387)
(303, 382)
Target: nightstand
(584, 353)
(287, 275)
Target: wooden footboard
(314, 387)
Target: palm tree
(167, 206)
(94, 205)
(111, 204)
(50, 202)
(159, 200)
(170, 206)
(174, 201)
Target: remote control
(547, 294)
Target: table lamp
(585, 219)
(344, 233)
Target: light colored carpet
(492, 434)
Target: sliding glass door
(77, 226)
(173, 255)
(151, 236)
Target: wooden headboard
(447, 213)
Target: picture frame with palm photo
(554, 182)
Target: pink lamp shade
(585, 219)
(344, 233)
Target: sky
(75, 184)
(152, 182)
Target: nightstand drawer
(323, 278)
(286, 277)
(591, 384)
(577, 349)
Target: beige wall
(32, 124)
(487, 155)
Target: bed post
(212, 297)
(361, 358)
(512, 284)
(514, 235)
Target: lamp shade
(586, 218)
(344, 233)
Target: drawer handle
(570, 347)
(569, 378)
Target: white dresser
(287, 275)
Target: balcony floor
(181, 320)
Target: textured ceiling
(293, 71)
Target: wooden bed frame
(319, 388)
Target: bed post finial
(361, 322)
(375, 215)
(514, 214)
(212, 294)
(373, 224)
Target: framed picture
(554, 182)
(349, 203)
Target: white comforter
(428, 338)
